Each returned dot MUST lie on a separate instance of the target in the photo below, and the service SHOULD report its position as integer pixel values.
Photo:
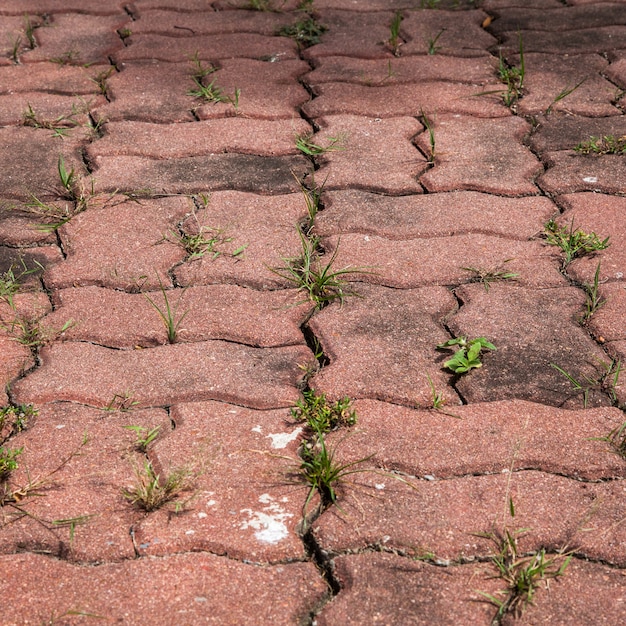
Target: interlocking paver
(407, 264)
(404, 100)
(484, 438)
(228, 312)
(438, 186)
(380, 345)
(199, 174)
(432, 215)
(544, 81)
(468, 155)
(241, 135)
(81, 372)
(406, 69)
(256, 518)
(533, 330)
(384, 588)
(362, 141)
(455, 515)
(188, 587)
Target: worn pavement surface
(150, 173)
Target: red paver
(405, 100)
(484, 438)
(380, 344)
(384, 588)
(364, 143)
(532, 330)
(579, 41)
(69, 80)
(93, 7)
(248, 500)
(468, 155)
(188, 587)
(78, 39)
(231, 134)
(379, 509)
(544, 82)
(432, 215)
(201, 174)
(407, 264)
(228, 312)
(405, 69)
(82, 372)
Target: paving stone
(469, 155)
(78, 39)
(83, 458)
(248, 503)
(68, 80)
(268, 90)
(545, 80)
(233, 134)
(484, 438)
(493, 5)
(568, 172)
(616, 72)
(29, 162)
(459, 33)
(532, 329)
(379, 5)
(16, 359)
(417, 262)
(413, 69)
(192, 588)
(388, 589)
(81, 372)
(564, 132)
(229, 312)
(586, 593)
(607, 323)
(364, 146)
(381, 345)
(13, 38)
(185, 6)
(432, 215)
(203, 22)
(208, 47)
(267, 226)
(69, 113)
(604, 215)
(579, 41)
(560, 19)
(30, 7)
(201, 174)
(378, 510)
(120, 244)
(405, 100)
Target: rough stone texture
(405, 69)
(414, 263)
(229, 312)
(569, 172)
(97, 243)
(379, 509)
(68, 80)
(381, 344)
(383, 588)
(580, 41)
(187, 587)
(188, 175)
(231, 134)
(265, 225)
(432, 215)
(532, 330)
(484, 438)
(605, 216)
(544, 81)
(405, 100)
(364, 143)
(80, 372)
(469, 156)
(247, 499)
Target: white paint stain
(257, 429)
(269, 523)
(590, 179)
(281, 440)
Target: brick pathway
(154, 210)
